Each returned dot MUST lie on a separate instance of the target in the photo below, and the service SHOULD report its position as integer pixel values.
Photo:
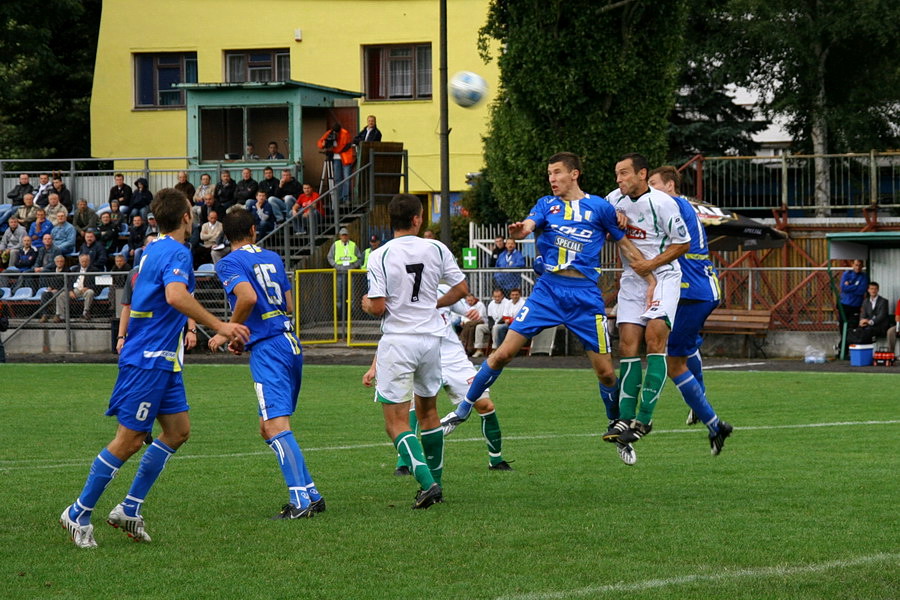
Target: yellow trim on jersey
(272, 313)
(602, 345)
(697, 256)
(567, 215)
(137, 314)
(295, 343)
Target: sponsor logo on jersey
(178, 272)
(577, 232)
(568, 244)
(635, 233)
(682, 231)
(228, 281)
(554, 210)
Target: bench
(754, 324)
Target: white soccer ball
(468, 89)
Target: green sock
(490, 429)
(411, 453)
(630, 382)
(414, 427)
(433, 445)
(654, 381)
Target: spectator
(250, 152)
(54, 281)
(274, 154)
(53, 207)
(81, 287)
(245, 190)
(205, 190)
(11, 243)
(46, 255)
(65, 196)
(27, 256)
(874, 319)
(63, 234)
(94, 250)
(141, 198)
(513, 306)
(17, 199)
(497, 250)
(120, 263)
(338, 148)
(511, 258)
(263, 216)
(470, 322)
(115, 214)
(285, 195)
(210, 236)
(27, 213)
(369, 133)
(184, 186)
(343, 256)
(374, 244)
(201, 214)
(121, 192)
(268, 184)
(42, 193)
(224, 192)
(496, 308)
(853, 290)
(152, 227)
(893, 331)
(428, 234)
(108, 235)
(39, 228)
(309, 208)
(84, 218)
(136, 234)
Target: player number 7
(415, 270)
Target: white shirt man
(496, 308)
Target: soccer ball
(468, 89)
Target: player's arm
(673, 252)
(521, 229)
(369, 376)
(190, 338)
(288, 302)
(123, 327)
(374, 306)
(633, 255)
(245, 300)
(178, 297)
(454, 294)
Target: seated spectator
(250, 152)
(53, 207)
(39, 228)
(152, 227)
(115, 214)
(95, 250)
(120, 263)
(285, 196)
(513, 306)
(42, 193)
(17, 199)
(204, 190)
(108, 235)
(11, 243)
(63, 234)
(84, 218)
(136, 234)
(82, 287)
(511, 258)
(27, 213)
(496, 308)
(54, 281)
(224, 191)
(245, 190)
(184, 186)
(268, 184)
(498, 249)
(469, 323)
(263, 215)
(210, 236)
(894, 330)
(47, 254)
(121, 193)
(27, 256)
(309, 209)
(141, 198)
(274, 154)
(65, 196)
(874, 319)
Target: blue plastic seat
(23, 293)
(5, 293)
(206, 268)
(103, 295)
(38, 294)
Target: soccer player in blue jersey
(700, 295)
(149, 386)
(572, 227)
(259, 292)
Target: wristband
(194, 331)
(121, 337)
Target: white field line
(778, 571)
(17, 465)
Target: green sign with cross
(470, 258)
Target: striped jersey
(155, 329)
(572, 233)
(699, 280)
(264, 271)
(405, 272)
(654, 223)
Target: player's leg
(432, 435)
(279, 436)
(630, 377)
(396, 423)
(402, 468)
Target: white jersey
(654, 223)
(405, 272)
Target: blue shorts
(141, 394)
(571, 301)
(685, 338)
(276, 365)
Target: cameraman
(338, 147)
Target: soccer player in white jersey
(700, 295)
(655, 226)
(403, 290)
(150, 385)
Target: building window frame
(258, 65)
(155, 74)
(398, 72)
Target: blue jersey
(573, 232)
(698, 276)
(155, 329)
(264, 271)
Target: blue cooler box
(862, 355)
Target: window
(155, 74)
(226, 131)
(258, 65)
(398, 72)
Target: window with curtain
(257, 65)
(155, 76)
(398, 72)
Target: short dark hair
(268, 169)
(875, 283)
(169, 206)
(570, 159)
(638, 161)
(667, 173)
(402, 208)
(237, 224)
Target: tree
(46, 65)
(597, 79)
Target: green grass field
(802, 503)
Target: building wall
(330, 54)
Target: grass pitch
(802, 503)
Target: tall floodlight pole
(445, 130)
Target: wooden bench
(754, 324)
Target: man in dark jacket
(121, 192)
(224, 192)
(65, 196)
(94, 250)
(245, 190)
(874, 318)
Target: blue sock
(293, 467)
(610, 397)
(152, 463)
(695, 366)
(485, 377)
(103, 469)
(694, 396)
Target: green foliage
(480, 204)
(580, 76)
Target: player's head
(239, 226)
(563, 171)
(631, 174)
(172, 210)
(405, 211)
(665, 179)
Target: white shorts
(632, 305)
(407, 364)
(457, 371)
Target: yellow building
(202, 78)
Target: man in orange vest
(338, 147)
